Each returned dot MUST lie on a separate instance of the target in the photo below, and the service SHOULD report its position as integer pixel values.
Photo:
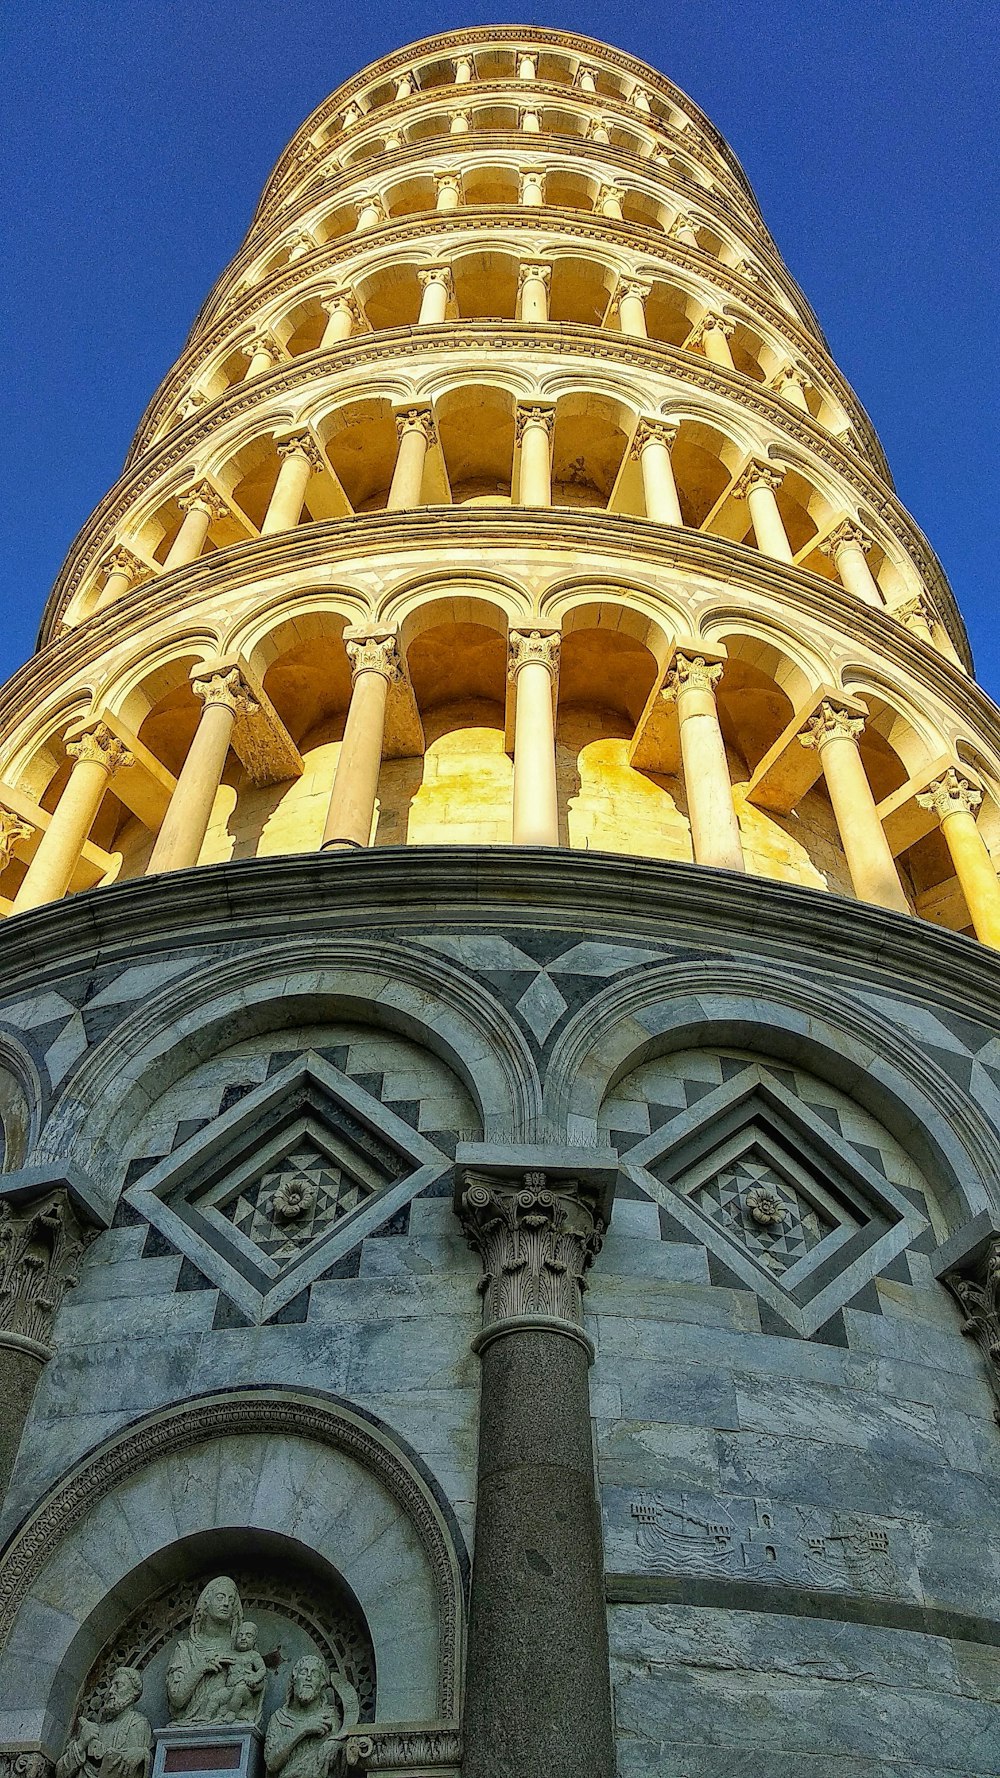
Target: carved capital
(374, 203)
(227, 687)
(301, 244)
(791, 374)
(847, 535)
(586, 77)
(536, 648)
(98, 746)
(533, 413)
(374, 654)
(747, 269)
(653, 431)
(121, 561)
(12, 830)
(831, 722)
(392, 139)
(407, 84)
(533, 271)
(682, 224)
(448, 182)
(598, 131)
(463, 68)
(202, 495)
(637, 287)
(691, 672)
(951, 794)
(41, 1242)
(351, 116)
(25, 1762)
(917, 615)
(526, 112)
(758, 474)
(340, 300)
(436, 274)
(192, 404)
(978, 1295)
(533, 180)
(300, 444)
(536, 1242)
(712, 324)
(416, 419)
(262, 344)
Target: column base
(534, 1324)
(343, 846)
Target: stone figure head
(308, 1681)
(125, 1689)
(245, 1636)
(218, 1608)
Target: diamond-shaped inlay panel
(294, 1176)
(769, 1218)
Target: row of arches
(485, 281)
(474, 457)
(450, 782)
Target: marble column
(375, 665)
(714, 332)
(533, 291)
(651, 447)
(437, 291)
(757, 487)
(416, 433)
(370, 214)
(534, 425)
(97, 756)
(684, 230)
(538, 1692)
(715, 831)
(300, 457)
(533, 667)
(609, 203)
(123, 571)
(640, 99)
(835, 733)
(531, 189)
(464, 70)
(791, 384)
(917, 616)
(953, 798)
(342, 314)
(527, 66)
(448, 187)
(224, 696)
(461, 122)
(586, 79)
(530, 121)
(42, 1240)
(631, 302)
(200, 505)
(599, 132)
(262, 355)
(847, 548)
(405, 86)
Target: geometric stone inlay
(782, 1200)
(768, 1216)
(285, 1183)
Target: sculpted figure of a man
(305, 1735)
(119, 1745)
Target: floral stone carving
(536, 1241)
(41, 1242)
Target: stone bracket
(93, 1206)
(788, 770)
(94, 865)
(656, 746)
(260, 740)
(902, 818)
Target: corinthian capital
(375, 653)
(98, 746)
(691, 672)
(533, 413)
(12, 830)
(831, 722)
(847, 535)
(978, 1293)
(121, 561)
(416, 419)
(951, 794)
(712, 324)
(758, 474)
(532, 180)
(653, 431)
(204, 496)
(225, 686)
(536, 1242)
(40, 1245)
(536, 271)
(300, 444)
(534, 648)
(436, 274)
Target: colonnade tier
(815, 489)
(498, 168)
(333, 294)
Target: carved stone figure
(305, 1735)
(246, 1677)
(118, 1746)
(199, 1673)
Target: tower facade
(499, 1064)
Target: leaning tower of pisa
(499, 1053)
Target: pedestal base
(233, 1750)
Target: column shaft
(715, 831)
(534, 661)
(285, 505)
(340, 325)
(180, 839)
(717, 347)
(355, 784)
(848, 548)
(535, 430)
(433, 299)
(869, 858)
(50, 872)
(534, 293)
(448, 194)
(408, 475)
(190, 540)
(658, 485)
(976, 872)
(632, 314)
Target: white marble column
(631, 304)
(651, 447)
(200, 505)
(533, 666)
(448, 187)
(416, 433)
(300, 457)
(715, 831)
(533, 291)
(791, 384)
(370, 213)
(953, 799)
(223, 694)
(341, 310)
(534, 425)
(714, 332)
(375, 665)
(757, 487)
(98, 755)
(123, 571)
(835, 733)
(437, 290)
(531, 188)
(848, 547)
(262, 355)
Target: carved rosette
(375, 654)
(532, 648)
(978, 1295)
(536, 1241)
(41, 1243)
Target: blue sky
(141, 134)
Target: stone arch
(21, 1103)
(116, 1512)
(299, 982)
(951, 1136)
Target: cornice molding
(645, 548)
(589, 343)
(404, 886)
